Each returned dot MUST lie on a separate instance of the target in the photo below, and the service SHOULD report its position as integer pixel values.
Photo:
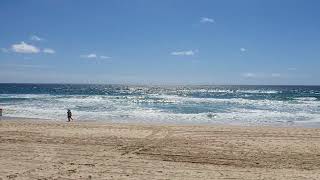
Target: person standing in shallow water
(69, 115)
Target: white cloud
(24, 48)
(105, 57)
(243, 49)
(261, 75)
(49, 51)
(5, 50)
(207, 20)
(249, 75)
(95, 56)
(36, 38)
(26, 66)
(90, 56)
(275, 75)
(184, 53)
(292, 69)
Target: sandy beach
(31, 149)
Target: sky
(258, 42)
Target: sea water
(164, 104)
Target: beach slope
(82, 150)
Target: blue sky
(160, 42)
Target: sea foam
(195, 105)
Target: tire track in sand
(158, 137)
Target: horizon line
(156, 84)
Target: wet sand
(87, 150)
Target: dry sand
(82, 150)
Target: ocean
(239, 105)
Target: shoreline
(274, 125)
(85, 150)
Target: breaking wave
(195, 105)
